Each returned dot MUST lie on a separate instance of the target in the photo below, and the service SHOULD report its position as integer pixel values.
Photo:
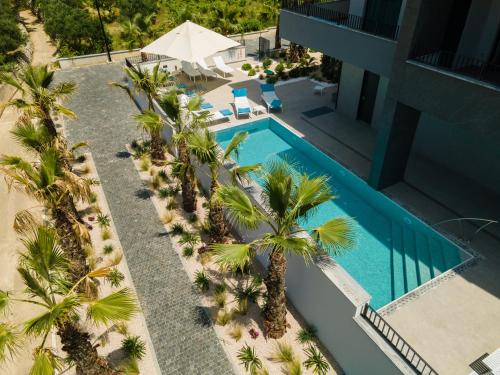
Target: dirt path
(12, 202)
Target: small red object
(253, 333)
(91, 218)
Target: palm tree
(185, 120)
(41, 96)
(145, 81)
(137, 29)
(153, 123)
(288, 199)
(43, 268)
(51, 185)
(204, 146)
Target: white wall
(351, 81)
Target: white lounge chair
(190, 70)
(221, 65)
(205, 70)
(241, 103)
(270, 98)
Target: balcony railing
(319, 9)
(411, 357)
(459, 64)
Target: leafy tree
(153, 124)
(137, 29)
(185, 120)
(41, 96)
(146, 81)
(51, 185)
(129, 8)
(288, 199)
(43, 268)
(11, 37)
(206, 149)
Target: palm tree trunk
(188, 180)
(71, 244)
(49, 123)
(216, 217)
(277, 37)
(80, 350)
(157, 152)
(274, 313)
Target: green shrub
(177, 229)
(108, 249)
(283, 353)
(279, 69)
(267, 63)
(249, 359)
(188, 251)
(272, 79)
(284, 76)
(316, 361)
(294, 73)
(306, 335)
(103, 220)
(251, 73)
(246, 67)
(262, 76)
(202, 281)
(134, 347)
(115, 278)
(224, 317)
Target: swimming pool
(395, 251)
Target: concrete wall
(383, 83)
(357, 7)
(467, 150)
(352, 46)
(480, 29)
(98, 58)
(351, 81)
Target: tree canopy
(11, 37)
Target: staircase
(417, 258)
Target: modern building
(424, 77)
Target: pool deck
(450, 325)
(456, 321)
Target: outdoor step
(437, 258)
(424, 258)
(410, 258)
(398, 271)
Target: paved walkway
(183, 340)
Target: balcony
(469, 67)
(321, 9)
(323, 27)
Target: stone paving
(180, 330)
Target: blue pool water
(395, 251)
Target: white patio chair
(221, 65)
(205, 70)
(191, 72)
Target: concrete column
(393, 145)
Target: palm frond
(33, 286)
(309, 194)
(25, 222)
(31, 136)
(44, 322)
(277, 186)
(116, 307)
(240, 208)
(336, 235)
(290, 245)
(233, 146)
(203, 145)
(234, 256)
(4, 301)
(10, 341)
(45, 362)
(241, 173)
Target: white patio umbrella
(189, 42)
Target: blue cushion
(206, 105)
(226, 112)
(244, 110)
(276, 103)
(240, 92)
(182, 86)
(265, 87)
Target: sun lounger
(270, 98)
(191, 72)
(205, 70)
(241, 103)
(221, 65)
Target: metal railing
(459, 64)
(146, 57)
(317, 10)
(411, 357)
(484, 223)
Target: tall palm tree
(51, 185)
(185, 120)
(288, 199)
(41, 96)
(153, 123)
(204, 146)
(43, 268)
(146, 81)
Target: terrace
(351, 143)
